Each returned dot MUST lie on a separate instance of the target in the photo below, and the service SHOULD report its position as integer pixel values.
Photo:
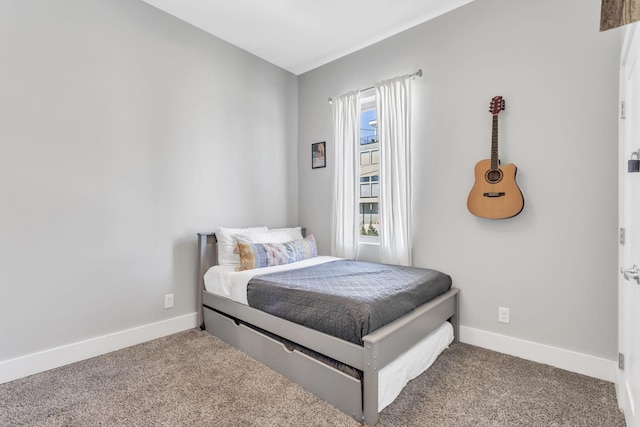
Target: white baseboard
(580, 363)
(30, 364)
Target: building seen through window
(369, 174)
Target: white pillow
(228, 240)
(277, 235)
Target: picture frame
(318, 155)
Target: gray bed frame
(358, 398)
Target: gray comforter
(346, 299)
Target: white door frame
(628, 378)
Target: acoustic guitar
(495, 194)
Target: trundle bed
(294, 350)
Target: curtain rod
(416, 74)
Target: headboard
(207, 258)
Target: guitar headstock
(496, 105)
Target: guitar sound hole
(493, 176)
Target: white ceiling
(300, 35)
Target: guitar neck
(494, 143)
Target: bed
(382, 355)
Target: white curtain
(393, 102)
(346, 138)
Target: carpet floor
(194, 379)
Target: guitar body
(495, 200)
(495, 194)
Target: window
(365, 188)
(365, 158)
(369, 186)
(369, 170)
(383, 214)
(375, 186)
(375, 157)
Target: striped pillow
(258, 255)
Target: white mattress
(393, 377)
(226, 282)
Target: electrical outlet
(168, 301)
(503, 315)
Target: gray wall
(554, 265)
(123, 132)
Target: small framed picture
(318, 155)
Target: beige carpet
(194, 379)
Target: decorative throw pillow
(228, 241)
(259, 255)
